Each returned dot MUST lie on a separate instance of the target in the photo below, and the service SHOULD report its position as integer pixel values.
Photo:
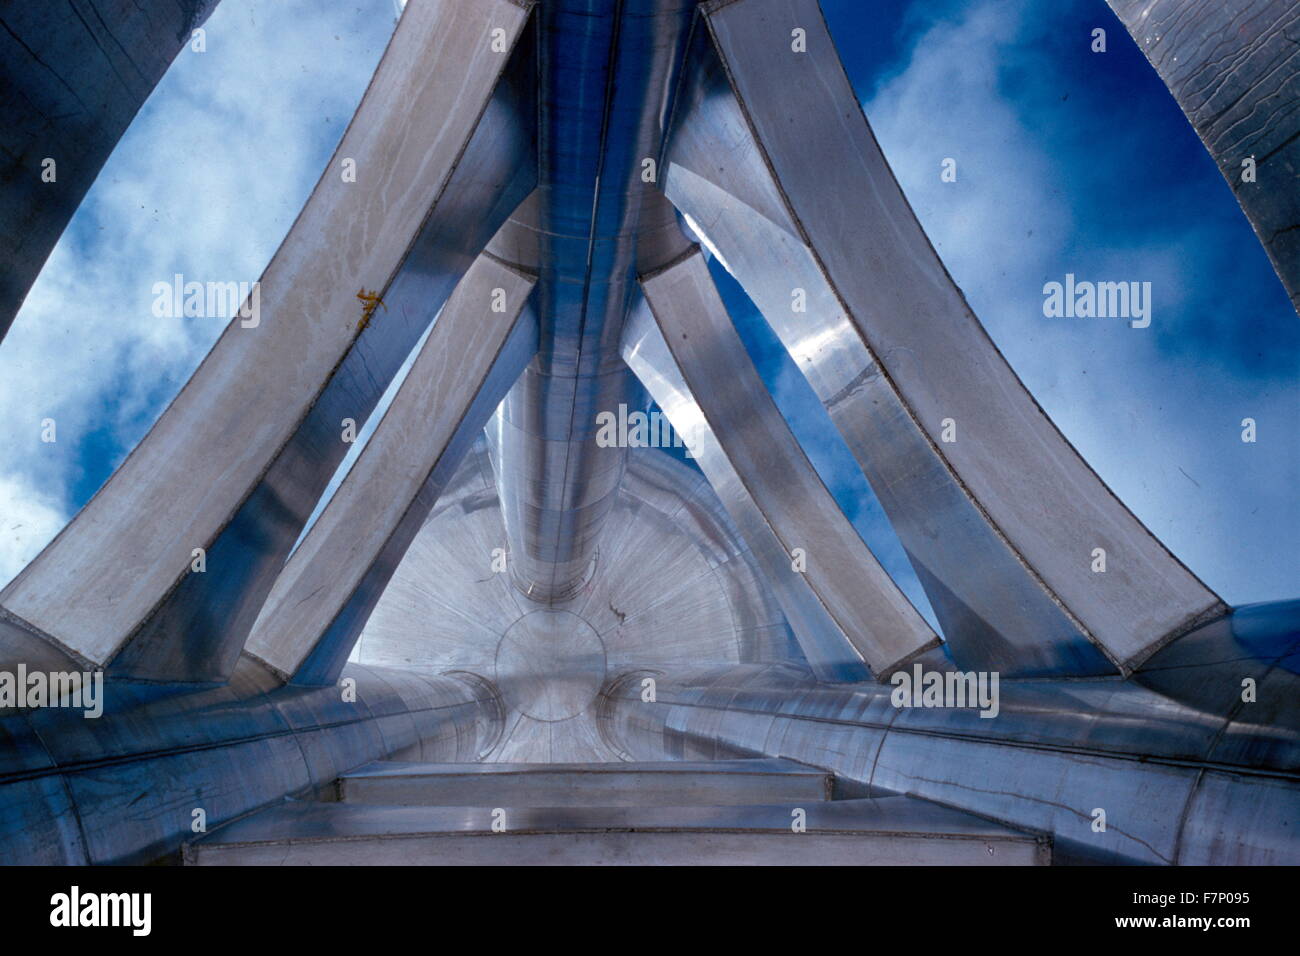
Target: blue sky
(1068, 161)
(206, 182)
(1073, 161)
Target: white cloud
(1160, 428)
(205, 183)
(28, 519)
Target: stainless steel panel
(893, 351)
(879, 832)
(844, 608)
(122, 788)
(322, 598)
(606, 72)
(713, 783)
(1056, 752)
(450, 606)
(200, 478)
(1234, 68)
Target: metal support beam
(999, 514)
(1183, 777)
(477, 349)
(1234, 68)
(605, 72)
(844, 609)
(235, 469)
(72, 76)
(124, 788)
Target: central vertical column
(606, 69)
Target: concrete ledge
(879, 832)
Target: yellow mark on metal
(369, 301)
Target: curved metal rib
(1234, 68)
(236, 472)
(845, 610)
(328, 588)
(1002, 521)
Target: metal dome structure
(500, 627)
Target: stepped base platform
(679, 784)
(875, 832)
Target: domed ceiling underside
(450, 605)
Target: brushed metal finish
(550, 665)
(1057, 751)
(115, 584)
(1234, 68)
(845, 610)
(1000, 523)
(321, 600)
(530, 598)
(450, 605)
(606, 70)
(881, 832)
(121, 789)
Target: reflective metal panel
(123, 788)
(327, 589)
(1234, 68)
(606, 71)
(1056, 753)
(887, 832)
(844, 608)
(991, 501)
(450, 605)
(200, 478)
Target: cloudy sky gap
(1068, 162)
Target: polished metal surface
(613, 646)
(115, 585)
(123, 788)
(71, 79)
(679, 783)
(882, 832)
(1158, 763)
(551, 665)
(1001, 522)
(849, 617)
(327, 589)
(1234, 68)
(606, 69)
(450, 605)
